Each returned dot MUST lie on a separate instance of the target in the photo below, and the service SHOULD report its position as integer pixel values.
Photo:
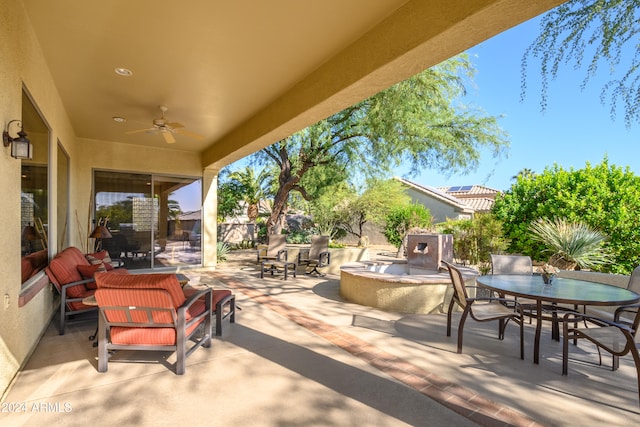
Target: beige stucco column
(209, 217)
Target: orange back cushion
(64, 266)
(167, 282)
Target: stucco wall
(22, 63)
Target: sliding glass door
(178, 225)
(147, 219)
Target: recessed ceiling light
(119, 119)
(123, 72)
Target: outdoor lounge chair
(276, 249)
(317, 256)
(150, 312)
(72, 275)
(616, 337)
(481, 309)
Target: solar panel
(456, 188)
(466, 188)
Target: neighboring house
(478, 197)
(460, 202)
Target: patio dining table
(560, 291)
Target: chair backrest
(318, 244)
(137, 307)
(634, 281)
(125, 282)
(277, 242)
(460, 291)
(511, 264)
(63, 268)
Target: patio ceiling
(245, 73)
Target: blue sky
(574, 129)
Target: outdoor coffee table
(182, 279)
(561, 291)
(276, 266)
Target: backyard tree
(252, 187)
(329, 212)
(416, 122)
(604, 197)
(598, 33)
(229, 196)
(401, 219)
(373, 205)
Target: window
(34, 205)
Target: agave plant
(223, 250)
(571, 243)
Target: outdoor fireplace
(425, 252)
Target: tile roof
(477, 198)
(469, 190)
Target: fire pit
(418, 284)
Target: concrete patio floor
(300, 355)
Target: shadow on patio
(299, 355)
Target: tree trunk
(252, 212)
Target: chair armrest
(202, 293)
(510, 301)
(324, 259)
(282, 252)
(577, 317)
(63, 288)
(632, 309)
(207, 295)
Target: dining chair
(511, 264)
(481, 309)
(615, 337)
(514, 264)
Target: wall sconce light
(21, 147)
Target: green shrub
(474, 240)
(604, 197)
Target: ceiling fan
(167, 129)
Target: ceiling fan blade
(189, 133)
(174, 125)
(138, 131)
(168, 136)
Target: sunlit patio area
(300, 355)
